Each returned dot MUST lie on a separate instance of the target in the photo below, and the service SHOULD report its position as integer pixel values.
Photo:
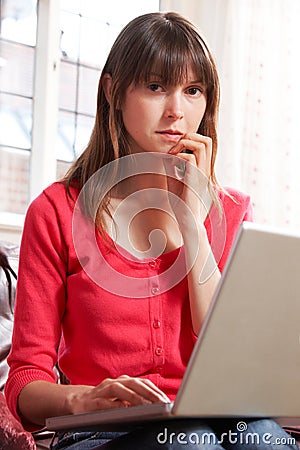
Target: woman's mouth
(171, 135)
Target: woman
(120, 260)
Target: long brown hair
(162, 43)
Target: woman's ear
(107, 86)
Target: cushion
(8, 267)
(12, 434)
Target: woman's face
(156, 116)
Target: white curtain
(257, 48)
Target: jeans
(190, 434)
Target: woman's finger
(156, 389)
(201, 148)
(132, 390)
(150, 385)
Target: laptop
(246, 362)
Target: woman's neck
(142, 219)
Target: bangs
(171, 58)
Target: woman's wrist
(58, 400)
(74, 399)
(193, 232)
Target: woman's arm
(203, 277)
(41, 399)
(195, 201)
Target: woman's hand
(123, 391)
(190, 185)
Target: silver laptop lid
(247, 358)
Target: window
(87, 31)
(17, 51)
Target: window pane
(96, 40)
(70, 6)
(66, 137)
(61, 169)
(18, 20)
(116, 11)
(14, 180)
(89, 28)
(73, 135)
(68, 86)
(70, 35)
(16, 70)
(87, 94)
(83, 132)
(15, 121)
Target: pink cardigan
(94, 332)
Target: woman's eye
(195, 91)
(155, 87)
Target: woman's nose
(173, 107)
